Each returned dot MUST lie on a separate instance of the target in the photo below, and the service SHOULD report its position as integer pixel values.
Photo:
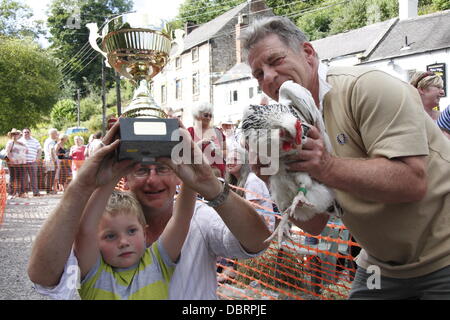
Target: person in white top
(93, 144)
(50, 160)
(228, 129)
(17, 159)
(33, 156)
(230, 228)
(250, 186)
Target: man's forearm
(244, 222)
(314, 226)
(56, 237)
(380, 179)
(176, 231)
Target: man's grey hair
(284, 28)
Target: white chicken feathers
(296, 194)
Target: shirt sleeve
(166, 265)
(257, 188)
(389, 117)
(67, 287)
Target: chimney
(189, 26)
(407, 9)
(242, 22)
(257, 6)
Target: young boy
(111, 247)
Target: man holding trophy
(137, 46)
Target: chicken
(296, 194)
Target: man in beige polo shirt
(390, 167)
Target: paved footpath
(22, 221)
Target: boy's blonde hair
(124, 202)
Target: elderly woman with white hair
(211, 140)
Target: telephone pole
(103, 97)
(78, 106)
(119, 99)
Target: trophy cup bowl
(137, 46)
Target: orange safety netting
(23, 178)
(304, 267)
(3, 194)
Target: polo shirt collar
(324, 86)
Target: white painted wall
(185, 72)
(222, 106)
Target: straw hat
(13, 132)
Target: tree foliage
(28, 85)
(69, 37)
(15, 20)
(317, 18)
(202, 11)
(64, 113)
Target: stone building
(209, 50)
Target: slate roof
(210, 29)
(353, 41)
(239, 71)
(424, 33)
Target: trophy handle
(93, 36)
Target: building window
(195, 84)
(163, 94)
(233, 97)
(251, 92)
(195, 54)
(178, 62)
(178, 89)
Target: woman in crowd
(249, 185)
(16, 152)
(431, 88)
(63, 166)
(210, 139)
(77, 154)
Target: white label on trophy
(150, 128)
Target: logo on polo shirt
(342, 138)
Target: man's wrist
(221, 197)
(80, 188)
(214, 190)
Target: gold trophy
(137, 46)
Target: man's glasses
(207, 115)
(143, 172)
